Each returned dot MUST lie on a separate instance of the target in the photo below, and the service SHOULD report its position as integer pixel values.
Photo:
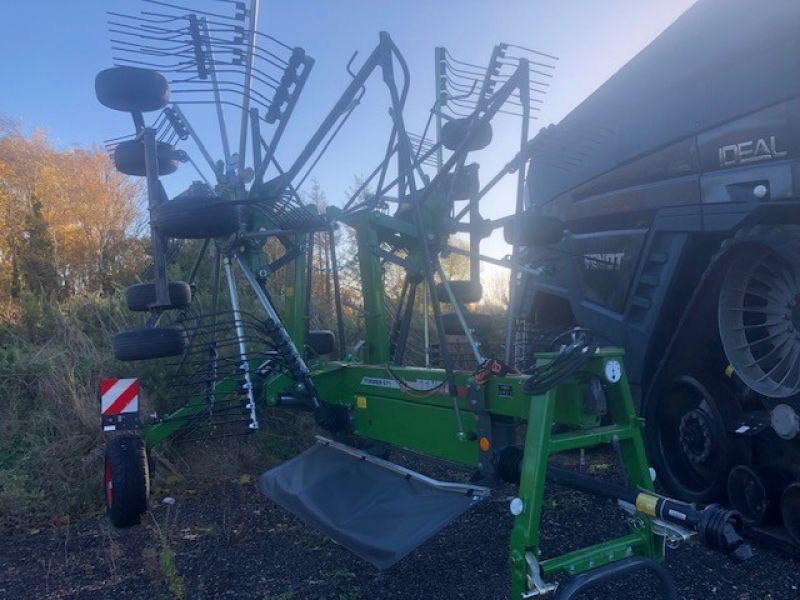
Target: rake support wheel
(131, 89)
(197, 217)
(129, 158)
(531, 229)
(465, 291)
(149, 342)
(140, 296)
(456, 131)
(321, 341)
(479, 323)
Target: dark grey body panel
(662, 164)
(721, 60)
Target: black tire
(197, 217)
(140, 296)
(332, 417)
(466, 292)
(321, 341)
(131, 89)
(454, 132)
(790, 511)
(479, 323)
(149, 342)
(687, 441)
(534, 230)
(129, 158)
(127, 480)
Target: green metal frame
(425, 423)
(411, 407)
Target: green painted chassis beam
(420, 415)
(425, 422)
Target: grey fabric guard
(375, 513)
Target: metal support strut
(282, 338)
(623, 567)
(240, 337)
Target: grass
(166, 557)
(171, 574)
(50, 450)
(52, 357)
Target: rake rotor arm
(376, 59)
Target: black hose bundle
(563, 365)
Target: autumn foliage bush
(70, 240)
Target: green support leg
(376, 349)
(296, 298)
(525, 534)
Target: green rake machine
(239, 354)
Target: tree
(70, 210)
(37, 269)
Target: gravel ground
(229, 542)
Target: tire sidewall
(127, 470)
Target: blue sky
(50, 51)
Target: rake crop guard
(234, 362)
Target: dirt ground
(225, 540)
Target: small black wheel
(131, 89)
(535, 230)
(129, 158)
(479, 323)
(321, 341)
(149, 342)
(127, 479)
(332, 417)
(455, 131)
(141, 295)
(196, 217)
(467, 185)
(465, 292)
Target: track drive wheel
(127, 479)
(688, 441)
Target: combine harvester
(250, 347)
(678, 183)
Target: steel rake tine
(139, 18)
(189, 10)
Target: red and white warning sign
(119, 396)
